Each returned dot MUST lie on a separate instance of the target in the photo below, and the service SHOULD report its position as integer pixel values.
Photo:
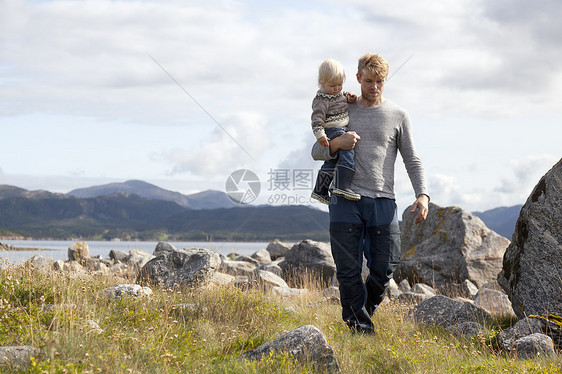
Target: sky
(183, 93)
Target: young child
(329, 120)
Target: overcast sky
(182, 93)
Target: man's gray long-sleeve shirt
(384, 130)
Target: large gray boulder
(309, 261)
(303, 344)
(444, 311)
(452, 245)
(532, 265)
(192, 267)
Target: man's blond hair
(373, 64)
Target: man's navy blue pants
(366, 227)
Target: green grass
(152, 335)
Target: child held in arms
(329, 120)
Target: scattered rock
(534, 345)
(94, 326)
(192, 267)
(78, 251)
(412, 297)
(7, 247)
(119, 256)
(450, 246)
(237, 268)
(309, 260)
(262, 257)
(423, 289)
(222, 279)
(404, 285)
(393, 291)
(468, 289)
(526, 326)
(17, 357)
(272, 268)
(138, 258)
(39, 262)
(163, 247)
(266, 280)
(465, 329)
(495, 302)
(443, 311)
(132, 290)
(551, 325)
(331, 292)
(277, 249)
(287, 291)
(304, 344)
(532, 265)
(94, 264)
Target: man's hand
(345, 141)
(421, 203)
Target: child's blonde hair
(373, 64)
(330, 71)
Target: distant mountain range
(138, 210)
(203, 200)
(502, 220)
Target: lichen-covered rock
(445, 312)
(452, 245)
(193, 267)
(303, 344)
(532, 265)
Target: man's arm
(345, 141)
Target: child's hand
(324, 141)
(351, 97)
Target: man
(378, 130)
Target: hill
(42, 214)
(502, 220)
(203, 200)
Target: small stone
(534, 345)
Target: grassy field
(54, 312)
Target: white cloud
(242, 139)
(526, 174)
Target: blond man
(378, 130)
